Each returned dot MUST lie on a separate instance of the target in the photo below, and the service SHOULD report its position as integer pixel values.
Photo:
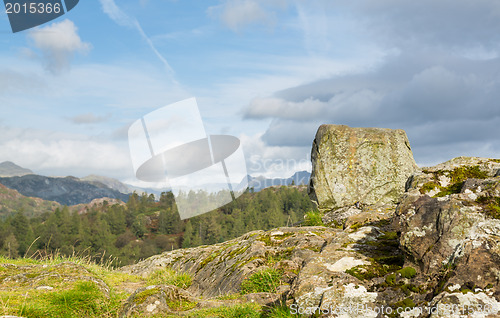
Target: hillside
(259, 183)
(143, 227)
(12, 201)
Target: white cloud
(58, 43)
(57, 153)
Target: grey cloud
(276, 107)
(88, 118)
(121, 133)
(17, 82)
(444, 23)
(455, 102)
(442, 86)
(237, 14)
(290, 133)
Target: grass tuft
(313, 218)
(266, 280)
(168, 276)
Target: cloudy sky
(267, 71)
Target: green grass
(74, 296)
(71, 296)
(181, 305)
(278, 312)
(229, 296)
(491, 206)
(467, 172)
(85, 299)
(313, 218)
(266, 280)
(429, 186)
(451, 189)
(168, 276)
(237, 311)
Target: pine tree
(11, 246)
(22, 231)
(213, 230)
(187, 239)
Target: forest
(122, 234)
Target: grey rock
(367, 165)
(464, 305)
(152, 300)
(453, 239)
(490, 166)
(220, 269)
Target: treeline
(126, 233)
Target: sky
(266, 71)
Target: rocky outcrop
(221, 268)
(438, 248)
(369, 165)
(450, 230)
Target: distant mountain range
(67, 191)
(10, 169)
(109, 182)
(73, 191)
(259, 183)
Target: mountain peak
(10, 169)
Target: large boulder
(366, 165)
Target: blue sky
(269, 72)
